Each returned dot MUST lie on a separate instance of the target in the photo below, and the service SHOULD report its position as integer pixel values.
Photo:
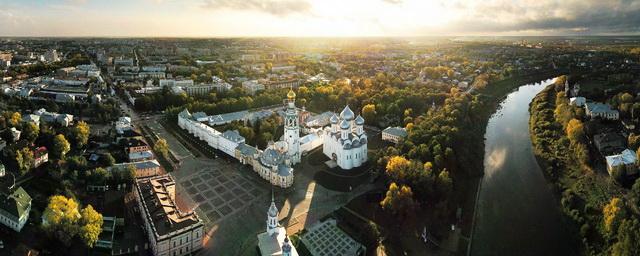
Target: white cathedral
(344, 141)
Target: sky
(317, 18)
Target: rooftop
(158, 197)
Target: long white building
(344, 141)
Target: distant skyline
(317, 18)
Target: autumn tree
(60, 146)
(24, 160)
(398, 200)
(575, 130)
(397, 168)
(80, 134)
(64, 220)
(30, 132)
(60, 218)
(161, 147)
(90, 226)
(14, 119)
(613, 213)
(369, 113)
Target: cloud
(565, 17)
(273, 7)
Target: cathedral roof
(334, 119)
(291, 94)
(273, 210)
(347, 114)
(344, 124)
(359, 120)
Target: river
(516, 213)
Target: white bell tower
(292, 129)
(272, 218)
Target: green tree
(60, 146)
(628, 237)
(107, 159)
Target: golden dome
(291, 94)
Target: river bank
(580, 191)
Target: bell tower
(292, 129)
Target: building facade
(394, 134)
(344, 141)
(170, 230)
(15, 205)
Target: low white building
(625, 160)
(272, 164)
(170, 230)
(52, 117)
(601, 110)
(394, 134)
(577, 101)
(252, 86)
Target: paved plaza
(326, 239)
(219, 194)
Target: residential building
(147, 168)
(15, 205)
(40, 156)
(132, 145)
(626, 161)
(577, 101)
(252, 86)
(170, 230)
(394, 134)
(345, 141)
(601, 110)
(609, 143)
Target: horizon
(317, 19)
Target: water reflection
(516, 213)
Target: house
(601, 110)
(40, 156)
(625, 160)
(577, 101)
(394, 134)
(132, 145)
(15, 205)
(15, 133)
(147, 168)
(140, 156)
(609, 143)
(170, 230)
(31, 118)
